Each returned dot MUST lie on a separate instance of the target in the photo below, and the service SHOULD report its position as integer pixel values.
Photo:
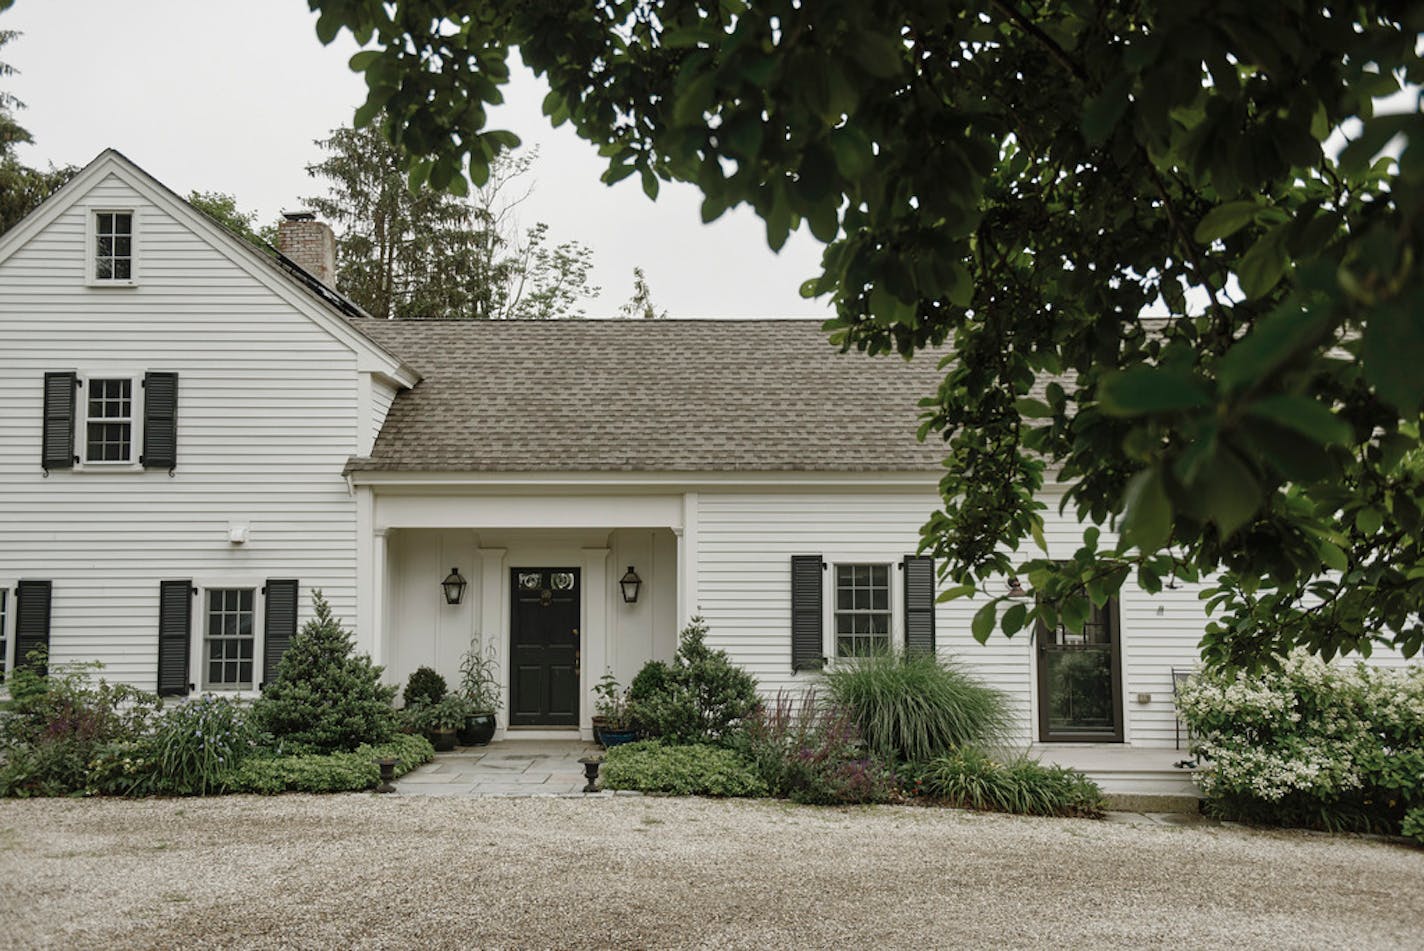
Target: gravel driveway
(370, 871)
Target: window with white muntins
(112, 257)
(109, 420)
(229, 639)
(862, 613)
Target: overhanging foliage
(1028, 183)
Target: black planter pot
(478, 729)
(615, 737)
(442, 740)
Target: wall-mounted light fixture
(1016, 590)
(630, 583)
(237, 533)
(454, 586)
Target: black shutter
(175, 637)
(279, 625)
(57, 451)
(807, 643)
(160, 421)
(919, 603)
(31, 620)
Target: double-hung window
(862, 613)
(112, 256)
(229, 638)
(844, 608)
(109, 420)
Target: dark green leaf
(1225, 220)
(1144, 389)
(1147, 520)
(983, 624)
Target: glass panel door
(1080, 680)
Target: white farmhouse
(197, 435)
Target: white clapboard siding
(266, 420)
(746, 540)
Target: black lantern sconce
(630, 583)
(454, 586)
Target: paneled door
(544, 647)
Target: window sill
(108, 467)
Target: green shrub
(971, 779)
(810, 751)
(915, 706)
(328, 773)
(690, 770)
(55, 725)
(1310, 744)
(700, 698)
(326, 697)
(1413, 824)
(424, 686)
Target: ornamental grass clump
(972, 779)
(192, 746)
(326, 697)
(912, 706)
(1310, 744)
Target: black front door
(544, 647)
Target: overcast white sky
(228, 95)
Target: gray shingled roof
(647, 396)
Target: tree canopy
(422, 252)
(1156, 283)
(21, 188)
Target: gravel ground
(374, 872)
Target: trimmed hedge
(328, 773)
(692, 770)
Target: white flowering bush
(1310, 743)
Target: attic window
(113, 247)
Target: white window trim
(81, 420)
(198, 630)
(828, 601)
(91, 247)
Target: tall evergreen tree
(426, 253)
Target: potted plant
(610, 722)
(479, 687)
(424, 686)
(439, 721)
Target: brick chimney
(309, 243)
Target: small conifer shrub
(326, 697)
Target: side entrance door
(544, 647)
(1080, 680)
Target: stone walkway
(506, 768)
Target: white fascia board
(369, 354)
(633, 481)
